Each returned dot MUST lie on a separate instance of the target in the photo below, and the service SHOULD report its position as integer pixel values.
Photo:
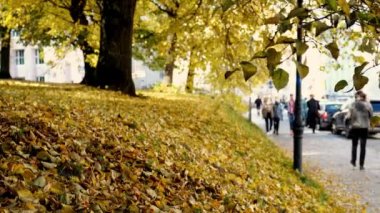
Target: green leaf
(359, 81)
(285, 40)
(228, 74)
(367, 45)
(345, 7)
(301, 47)
(273, 20)
(303, 70)
(351, 19)
(249, 69)
(298, 12)
(359, 69)
(308, 26)
(332, 5)
(333, 48)
(280, 78)
(227, 4)
(340, 85)
(284, 26)
(261, 54)
(320, 27)
(273, 58)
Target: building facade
(32, 63)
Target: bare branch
(165, 8)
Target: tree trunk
(190, 74)
(5, 50)
(89, 73)
(114, 68)
(170, 61)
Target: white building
(45, 64)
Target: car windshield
(375, 106)
(333, 107)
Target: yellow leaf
(345, 7)
(67, 209)
(25, 195)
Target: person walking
(360, 114)
(312, 113)
(267, 113)
(277, 116)
(258, 103)
(291, 108)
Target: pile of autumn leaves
(75, 149)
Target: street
(331, 153)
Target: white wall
(66, 69)
(143, 77)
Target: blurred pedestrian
(312, 113)
(258, 103)
(360, 114)
(267, 113)
(277, 116)
(291, 108)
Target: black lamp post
(298, 126)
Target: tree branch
(166, 9)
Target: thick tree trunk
(114, 69)
(89, 74)
(5, 50)
(170, 61)
(190, 75)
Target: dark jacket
(312, 113)
(258, 103)
(313, 106)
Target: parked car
(328, 109)
(341, 120)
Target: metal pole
(250, 110)
(298, 126)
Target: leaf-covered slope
(80, 149)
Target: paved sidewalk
(331, 153)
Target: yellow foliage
(103, 151)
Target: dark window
(19, 57)
(375, 106)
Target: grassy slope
(75, 148)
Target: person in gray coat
(277, 116)
(360, 114)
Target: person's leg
(290, 116)
(363, 143)
(275, 124)
(266, 124)
(277, 127)
(355, 139)
(314, 123)
(271, 121)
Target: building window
(20, 57)
(39, 56)
(41, 78)
(15, 33)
